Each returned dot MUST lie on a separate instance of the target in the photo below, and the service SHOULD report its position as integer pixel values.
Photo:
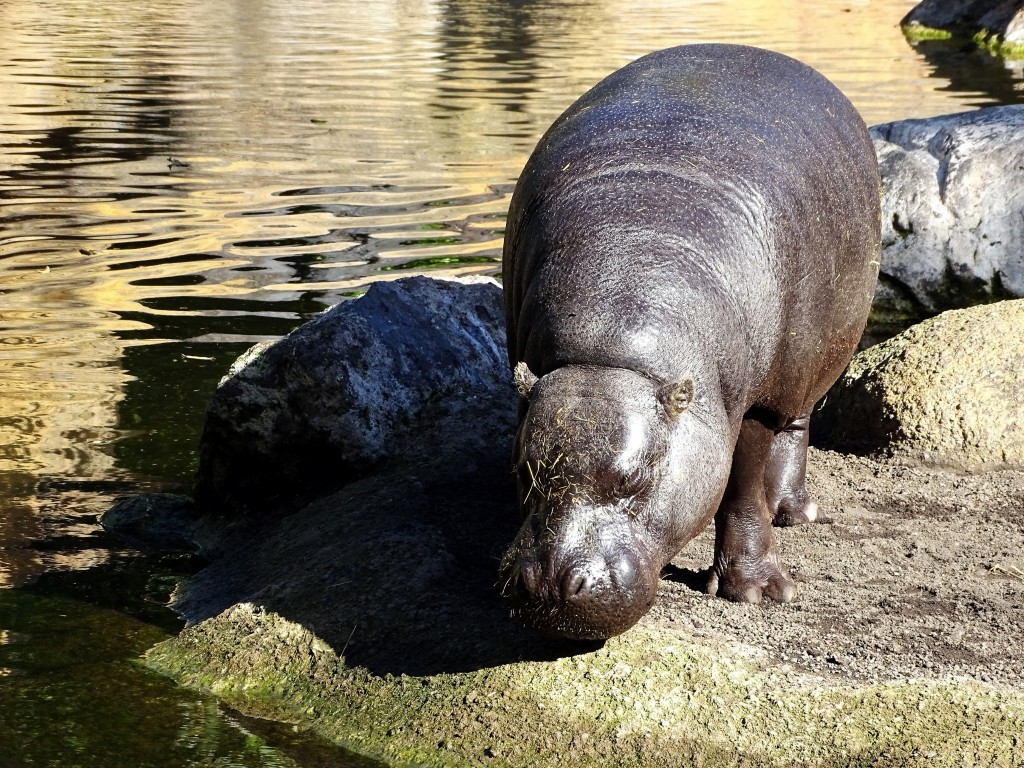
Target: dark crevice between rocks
(896, 308)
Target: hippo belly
(689, 261)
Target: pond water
(181, 179)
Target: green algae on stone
(648, 696)
(988, 40)
(917, 32)
(995, 44)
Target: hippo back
(711, 200)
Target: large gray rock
(357, 387)
(952, 211)
(1002, 20)
(947, 391)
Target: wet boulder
(947, 392)
(998, 25)
(356, 388)
(952, 211)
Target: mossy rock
(996, 27)
(947, 391)
(646, 698)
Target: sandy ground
(909, 572)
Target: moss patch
(916, 32)
(649, 695)
(985, 39)
(997, 46)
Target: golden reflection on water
(191, 170)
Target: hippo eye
(632, 483)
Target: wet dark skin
(691, 254)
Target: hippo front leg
(747, 565)
(785, 476)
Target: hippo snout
(590, 596)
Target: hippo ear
(676, 397)
(525, 379)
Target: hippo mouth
(558, 619)
(591, 598)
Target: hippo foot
(751, 582)
(795, 508)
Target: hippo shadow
(396, 572)
(694, 580)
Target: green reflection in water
(73, 694)
(426, 241)
(441, 261)
(164, 405)
(161, 415)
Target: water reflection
(20, 524)
(64, 662)
(974, 72)
(180, 179)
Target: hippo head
(599, 478)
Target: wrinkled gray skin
(689, 261)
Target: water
(183, 178)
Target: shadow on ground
(396, 572)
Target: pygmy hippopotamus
(690, 256)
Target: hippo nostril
(576, 584)
(581, 580)
(526, 582)
(522, 591)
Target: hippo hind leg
(747, 567)
(785, 476)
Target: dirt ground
(909, 572)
